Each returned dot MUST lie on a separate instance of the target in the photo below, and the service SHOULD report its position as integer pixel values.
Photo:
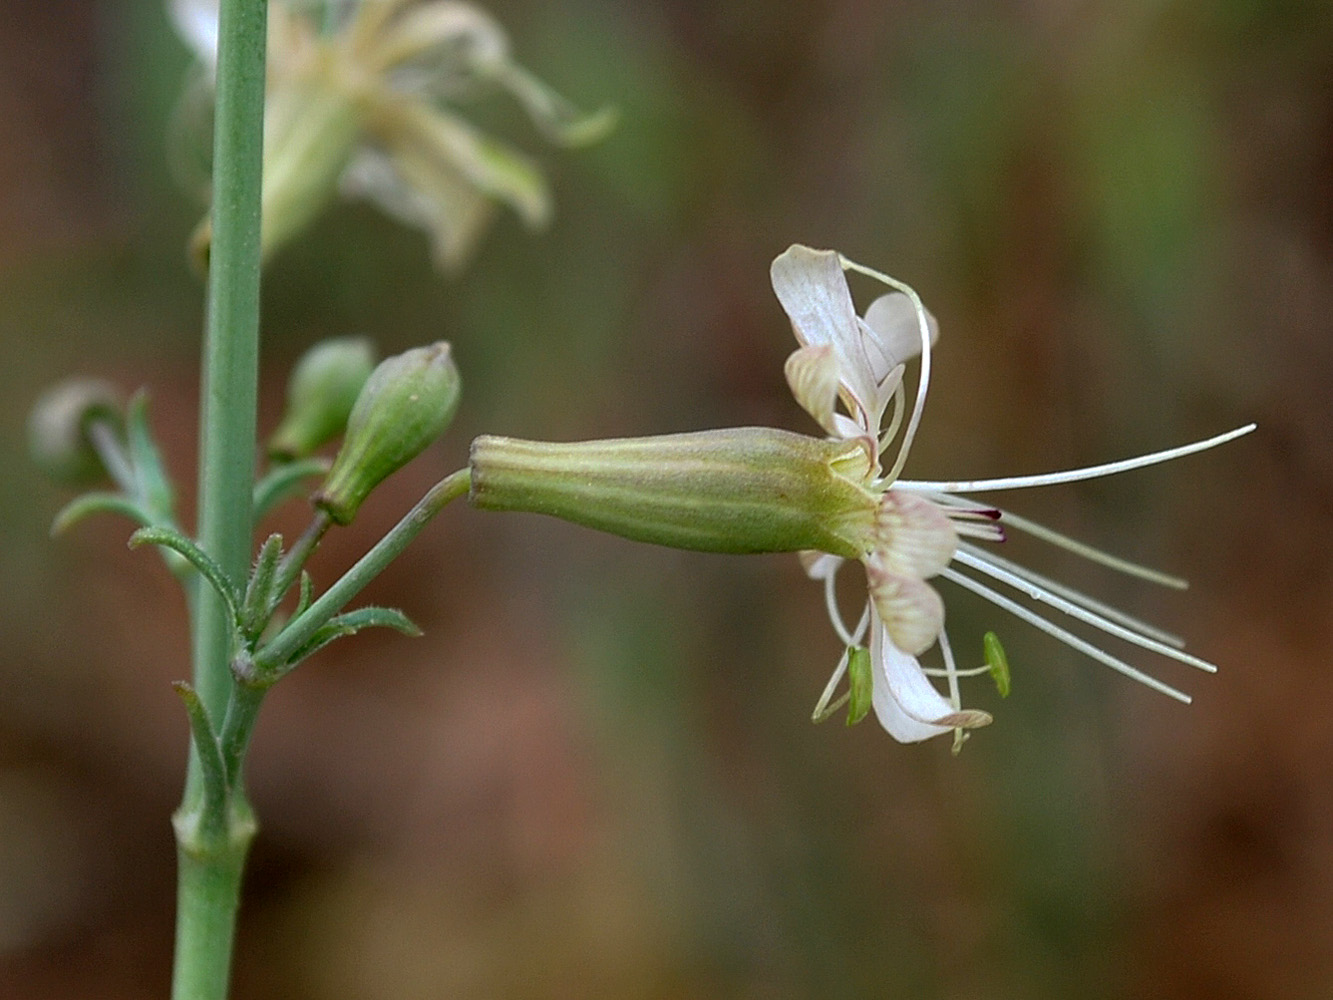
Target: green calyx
(746, 489)
(406, 404)
(320, 395)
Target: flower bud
(744, 489)
(320, 395)
(406, 404)
(58, 428)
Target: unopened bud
(743, 489)
(406, 404)
(59, 428)
(320, 395)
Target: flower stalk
(211, 859)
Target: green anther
(859, 684)
(997, 662)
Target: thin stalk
(271, 664)
(212, 861)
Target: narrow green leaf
(307, 594)
(205, 742)
(259, 597)
(172, 539)
(348, 624)
(282, 482)
(98, 503)
(997, 662)
(155, 487)
(859, 684)
(376, 618)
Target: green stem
(211, 861)
(271, 663)
(208, 889)
(297, 556)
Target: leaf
(351, 623)
(98, 503)
(284, 481)
(172, 539)
(155, 487)
(205, 740)
(258, 602)
(307, 593)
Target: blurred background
(596, 775)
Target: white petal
(422, 194)
(459, 149)
(915, 537)
(906, 703)
(813, 292)
(910, 608)
(443, 30)
(812, 374)
(197, 23)
(896, 332)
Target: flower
(924, 529)
(360, 98)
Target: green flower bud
(744, 489)
(406, 404)
(320, 395)
(59, 429)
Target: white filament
(1068, 638)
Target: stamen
(923, 383)
(970, 672)
(970, 513)
(1094, 554)
(951, 672)
(1074, 475)
(990, 531)
(822, 707)
(960, 735)
(896, 418)
(834, 613)
(1068, 638)
(1078, 597)
(1037, 593)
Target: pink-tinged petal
(812, 374)
(895, 331)
(813, 291)
(915, 537)
(911, 610)
(906, 703)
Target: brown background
(595, 775)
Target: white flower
(360, 98)
(923, 527)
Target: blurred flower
(922, 527)
(361, 98)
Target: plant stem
(212, 860)
(270, 663)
